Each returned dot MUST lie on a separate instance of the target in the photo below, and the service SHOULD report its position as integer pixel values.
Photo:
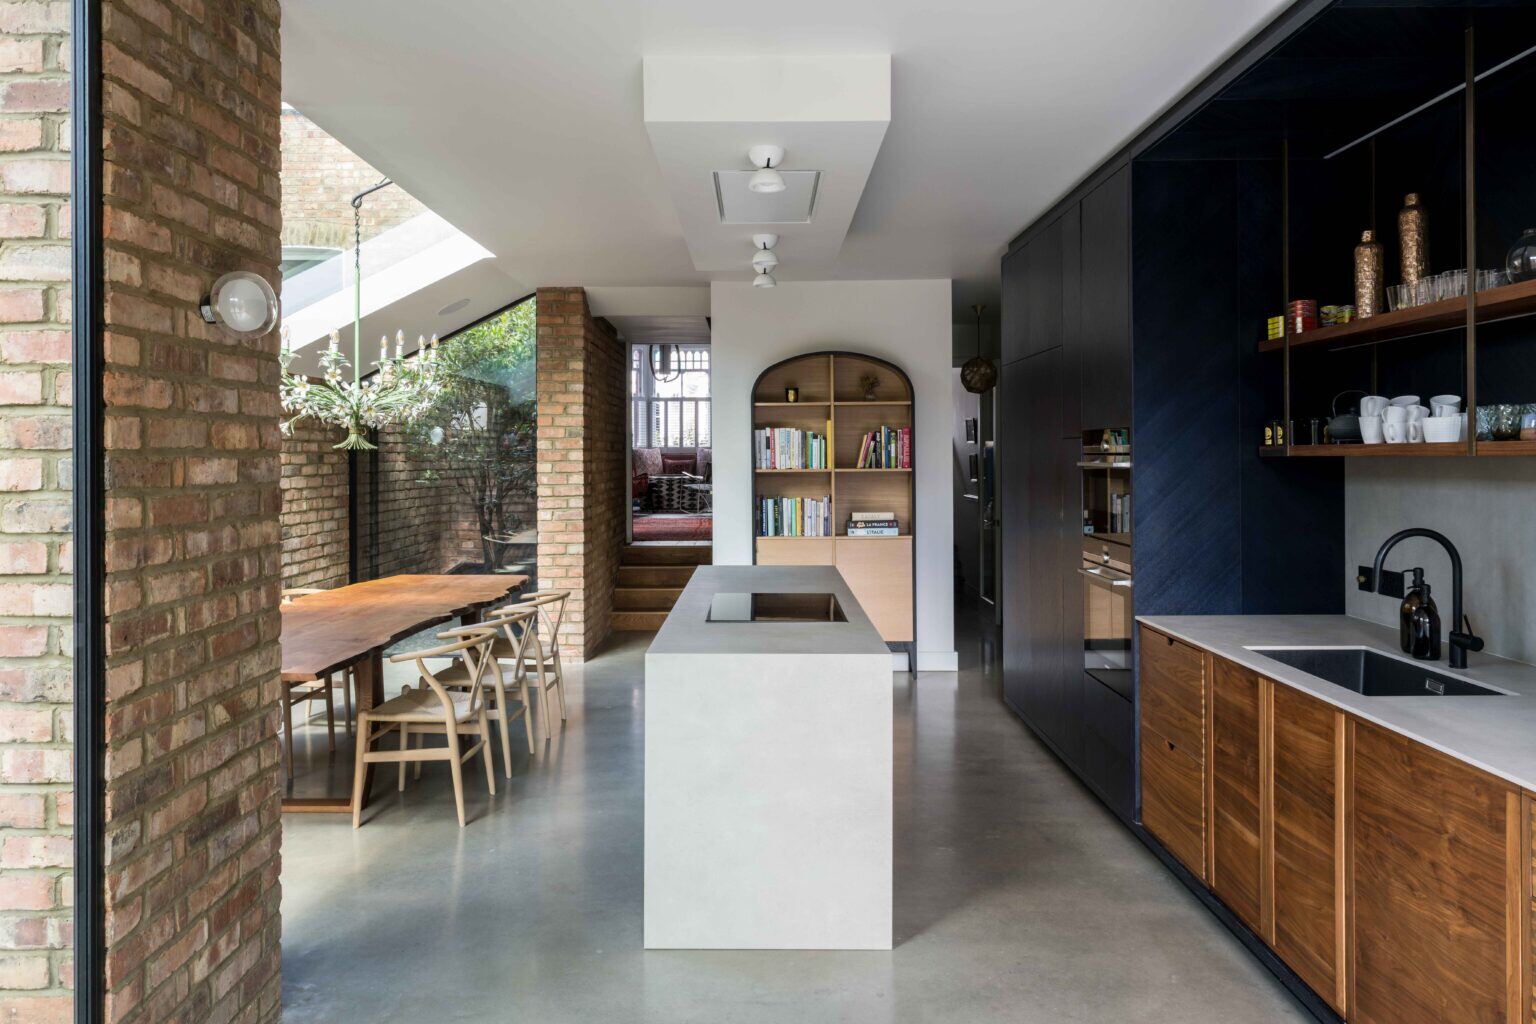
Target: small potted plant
(869, 384)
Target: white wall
(905, 322)
(1487, 507)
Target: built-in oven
(1106, 566)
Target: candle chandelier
(401, 391)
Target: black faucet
(1461, 641)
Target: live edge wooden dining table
(329, 631)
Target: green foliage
(479, 432)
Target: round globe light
(764, 280)
(243, 303)
(764, 260)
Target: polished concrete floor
(1018, 897)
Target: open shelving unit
(1451, 125)
(879, 570)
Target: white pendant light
(764, 280)
(766, 180)
(764, 259)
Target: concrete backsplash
(1487, 507)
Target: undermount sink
(1373, 674)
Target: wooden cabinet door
(1015, 315)
(879, 572)
(1044, 318)
(1307, 823)
(1071, 323)
(1435, 866)
(1013, 517)
(1237, 862)
(1172, 690)
(1173, 798)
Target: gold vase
(1368, 282)
(1413, 240)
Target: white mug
(1371, 429)
(1415, 431)
(1372, 405)
(1396, 414)
(1406, 400)
(1396, 431)
(1446, 405)
(1417, 413)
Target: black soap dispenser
(1420, 621)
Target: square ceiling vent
(739, 205)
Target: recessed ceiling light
(453, 307)
(766, 180)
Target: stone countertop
(688, 631)
(1496, 734)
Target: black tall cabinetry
(1066, 351)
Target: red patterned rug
(673, 527)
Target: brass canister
(1368, 282)
(1413, 238)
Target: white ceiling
(522, 122)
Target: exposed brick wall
(316, 509)
(320, 177)
(581, 484)
(190, 105)
(36, 804)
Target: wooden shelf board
(1498, 448)
(853, 469)
(1492, 304)
(1356, 451)
(774, 472)
(878, 401)
(787, 405)
(879, 536)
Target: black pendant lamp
(979, 374)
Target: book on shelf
(886, 448)
(789, 448)
(794, 517)
(873, 531)
(872, 524)
(858, 516)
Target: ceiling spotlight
(764, 279)
(767, 180)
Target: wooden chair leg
(346, 698)
(359, 772)
(405, 744)
(330, 715)
(457, 767)
(503, 728)
(288, 729)
(527, 716)
(485, 749)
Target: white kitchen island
(768, 752)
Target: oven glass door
(1107, 618)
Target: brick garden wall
(36, 803)
(190, 105)
(581, 485)
(320, 177)
(316, 508)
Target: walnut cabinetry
(1394, 880)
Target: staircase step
(666, 554)
(645, 599)
(647, 621)
(655, 575)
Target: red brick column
(36, 804)
(190, 105)
(581, 482)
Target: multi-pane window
(671, 413)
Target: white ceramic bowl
(1438, 429)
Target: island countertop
(687, 629)
(1496, 734)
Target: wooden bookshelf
(879, 570)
